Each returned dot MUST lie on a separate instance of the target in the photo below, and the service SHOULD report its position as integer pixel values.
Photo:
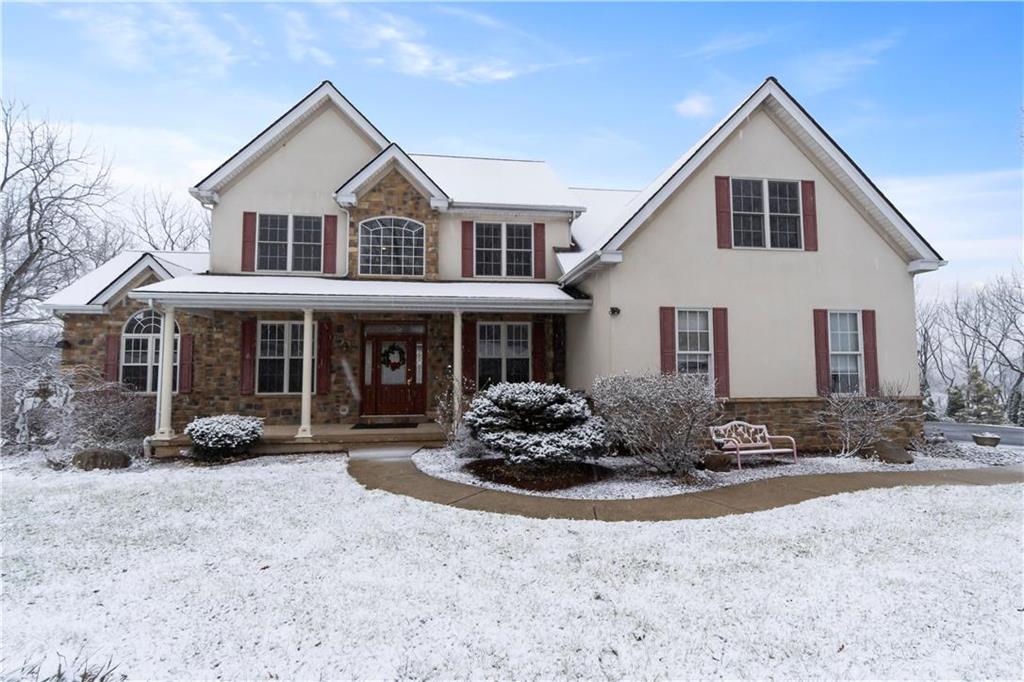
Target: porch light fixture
(614, 311)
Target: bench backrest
(747, 435)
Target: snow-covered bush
(225, 434)
(533, 423)
(657, 418)
(856, 422)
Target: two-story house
(350, 283)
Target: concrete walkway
(403, 478)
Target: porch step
(280, 440)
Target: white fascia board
(222, 301)
(282, 126)
(58, 309)
(558, 211)
(915, 267)
(595, 262)
(346, 195)
(140, 266)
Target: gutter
(598, 259)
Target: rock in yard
(101, 458)
(717, 461)
(891, 453)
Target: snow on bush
(856, 422)
(657, 418)
(533, 423)
(224, 434)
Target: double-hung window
(845, 352)
(279, 357)
(693, 342)
(503, 249)
(289, 243)
(503, 352)
(759, 223)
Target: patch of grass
(541, 478)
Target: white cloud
(695, 105)
(302, 39)
(728, 44)
(132, 37)
(832, 69)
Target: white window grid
(694, 341)
(766, 213)
(140, 347)
(401, 254)
(846, 352)
(295, 251)
(495, 342)
(285, 343)
(513, 256)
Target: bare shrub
(657, 418)
(855, 422)
(444, 405)
(77, 669)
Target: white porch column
(305, 425)
(165, 379)
(457, 367)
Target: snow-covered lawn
(632, 481)
(287, 567)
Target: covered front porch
(328, 370)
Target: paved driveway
(1011, 435)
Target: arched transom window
(140, 351)
(391, 246)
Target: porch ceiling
(246, 292)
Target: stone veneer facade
(217, 360)
(393, 195)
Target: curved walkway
(401, 476)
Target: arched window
(140, 351)
(391, 246)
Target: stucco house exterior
(349, 282)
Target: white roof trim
(205, 190)
(770, 89)
(146, 261)
(392, 156)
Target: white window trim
(291, 244)
(504, 250)
(150, 350)
(359, 248)
(287, 345)
(711, 339)
(503, 345)
(766, 225)
(859, 354)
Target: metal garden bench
(741, 438)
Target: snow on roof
(497, 182)
(603, 205)
(87, 287)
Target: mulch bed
(549, 477)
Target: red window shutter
(248, 371)
(723, 212)
(539, 252)
(867, 318)
(469, 354)
(810, 211)
(324, 344)
(330, 244)
(821, 363)
(248, 242)
(720, 332)
(185, 363)
(539, 350)
(467, 248)
(667, 317)
(112, 360)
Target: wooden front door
(394, 374)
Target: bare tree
(53, 196)
(162, 222)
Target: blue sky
(926, 97)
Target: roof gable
(393, 157)
(205, 190)
(789, 114)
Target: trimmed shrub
(223, 435)
(535, 424)
(658, 418)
